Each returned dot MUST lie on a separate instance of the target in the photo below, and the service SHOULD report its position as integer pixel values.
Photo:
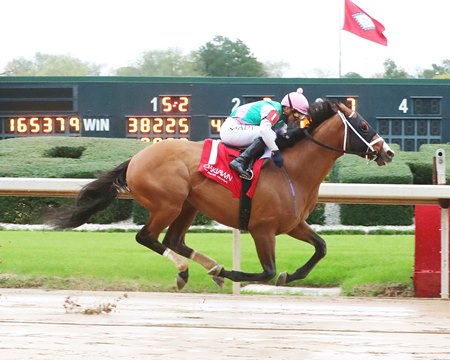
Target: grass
(360, 264)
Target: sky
(305, 34)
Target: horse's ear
(335, 106)
(322, 110)
(346, 110)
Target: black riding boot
(244, 163)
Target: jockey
(257, 124)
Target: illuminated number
(145, 139)
(21, 125)
(184, 104)
(215, 124)
(158, 125)
(60, 125)
(352, 102)
(403, 106)
(170, 127)
(236, 102)
(145, 125)
(154, 102)
(166, 104)
(74, 124)
(47, 126)
(34, 125)
(132, 125)
(11, 125)
(183, 125)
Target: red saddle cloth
(214, 164)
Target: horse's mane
(319, 112)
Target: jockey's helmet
(297, 101)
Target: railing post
(236, 258)
(441, 180)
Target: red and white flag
(358, 22)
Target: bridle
(370, 154)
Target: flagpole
(340, 40)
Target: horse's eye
(364, 126)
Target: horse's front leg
(265, 248)
(304, 232)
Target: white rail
(395, 194)
(329, 192)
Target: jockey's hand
(277, 158)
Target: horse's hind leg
(175, 240)
(304, 232)
(148, 236)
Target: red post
(427, 261)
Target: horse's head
(358, 136)
(362, 139)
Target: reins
(370, 155)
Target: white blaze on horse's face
(385, 153)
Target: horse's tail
(92, 198)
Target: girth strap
(245, 205)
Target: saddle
(214, 164)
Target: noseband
(369, 154)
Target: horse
(165, 180)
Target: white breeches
(234, 133)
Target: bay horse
(164, 179)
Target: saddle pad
(214, 164)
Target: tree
(437, 71)
(443, 76)
(223, 57)
(275, 69)
(169, 62)
(391, 71)
(352, 75)
(128, 71)
(50, 65)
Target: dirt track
(35, 325)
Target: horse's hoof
(219, 280)
(182, 279)
(281, 280)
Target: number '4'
(403, 106)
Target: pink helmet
(296, 100)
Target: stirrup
(243, 174)
(246, 176)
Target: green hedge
(421, 162)
(30, 210)
(61, 157)
(35, 157)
